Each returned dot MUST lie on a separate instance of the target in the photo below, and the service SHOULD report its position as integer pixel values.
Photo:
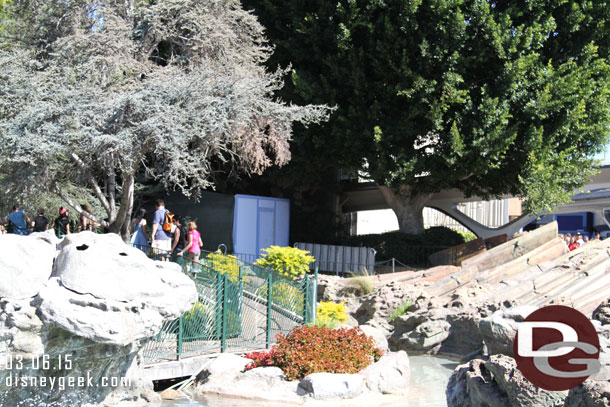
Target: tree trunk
(408, 205)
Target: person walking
(62, 223)
(139, 237)
(18, 220)
(194, 243)
(85, 223)
(161, 241)
(179, 240)
(40, 222)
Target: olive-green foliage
(364, 283)
(401, 309)
(488, 97)
(227, 264)
(287, 261)
(331, 314)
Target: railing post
(180, 336)
(306, 299)
(314, 302)
(218, 308)
(223, 338)
(268, 333)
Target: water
(429, 376)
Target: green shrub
(308, 350)
(287, 261)
(227, 264)
(331, 314)
(401, 309)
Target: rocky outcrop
(99, 304)
(389, 375)
(498, 330)
(496, 382)
(591, 393)
(328, 386)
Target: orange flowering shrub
(314, 349)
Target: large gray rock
(496, 382)
(389, 375)
(592, 393)
(223, 369)
(25, 264)
(498, 330)
(378, 336)
(80, 268)
(109, 292)
(328, 386)
(99, 322)
(427, 336)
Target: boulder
(25, 265)
(223, 369)
(496, 382)
(89, 326)
(591, 393)
(389, 375)
(378, 336)
(427, 336)
(498, 330)
(328, 386)
(602, 313)
(92, 264)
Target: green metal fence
(240, 306)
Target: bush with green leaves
(287, 261)
(227, 264)
(331, 314)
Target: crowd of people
(578, 239)
(18, 222)
(180, 240)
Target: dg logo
(556, 348)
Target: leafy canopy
(488, 97)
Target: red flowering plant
(314, 349)
(259, 359)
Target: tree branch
(78, 208)
(94, 184)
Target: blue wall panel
(259, 223)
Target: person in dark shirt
(62, 223)
(40, 223)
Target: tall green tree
(489, 97)
(96, 95)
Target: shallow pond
(429, 376)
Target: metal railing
(240, 306)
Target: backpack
(168, 222)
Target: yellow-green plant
(287, 261)
(286, 295)
(225, 263)
(331, 314)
